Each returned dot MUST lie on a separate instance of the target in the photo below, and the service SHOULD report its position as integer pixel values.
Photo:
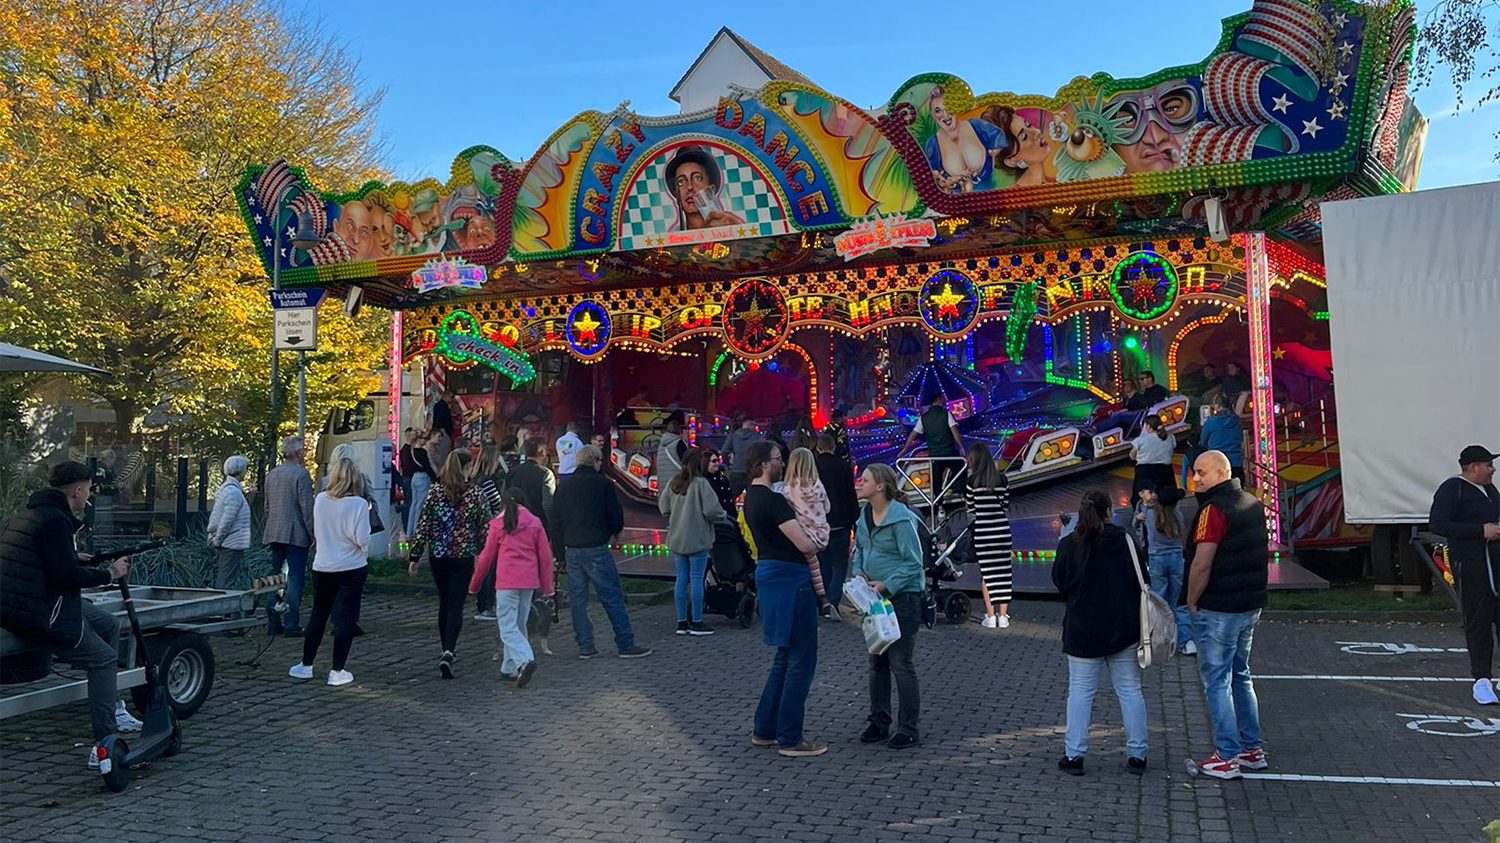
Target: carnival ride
(845, 251)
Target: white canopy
(14, 358)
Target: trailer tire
(186, 664)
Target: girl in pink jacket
(516, 547)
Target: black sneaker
(682, 627)
(700, 628)
(1071, 766)
(295, 632)
(636, 652)
(524, 677)
(587, 654)
(874, 734)
(1136, 765)
(901, 741)
(445, 664)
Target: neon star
(1144, 288)
(754, 318)
(1281, 103)
(1311, 127)
(947, 302)
(587, 327)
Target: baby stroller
(729, 584)
(943, 558)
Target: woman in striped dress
(988, 501)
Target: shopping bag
(880, 627)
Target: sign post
(295, 314)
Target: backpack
(1158, 624)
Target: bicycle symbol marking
(1452, 725)
(1376, 648)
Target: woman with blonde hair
(341, 524)
(452, 526)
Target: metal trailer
(175, 621)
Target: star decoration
(1281, 103)
(1340, 20)
(947, 302)
(250, 199)
(1346, 51)
(258, 219)
(267, 241)
(1340, 80)
(1311, 127)
(290, 231)
(1278, 353)
(587, 327)
(754, 318)
(1336, 111)
(1143, 288)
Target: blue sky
(508, 74)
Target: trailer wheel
(185, 661)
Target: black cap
(1475, 453)
(1169, 495)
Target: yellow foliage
(123, 129)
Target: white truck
(1414, 318)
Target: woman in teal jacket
(888, 553)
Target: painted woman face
(941, 115)
(1032, 145)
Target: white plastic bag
(858, 592)
(880, 627)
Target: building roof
(765, 61)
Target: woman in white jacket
(341, 521)
(229, 524)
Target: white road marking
(1351, 678)
(1298, 777)
(1377, 648)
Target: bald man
(1225, 591)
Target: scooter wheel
(174, 744)
(117, 775)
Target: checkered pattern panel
(649, 211)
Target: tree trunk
(125, 411)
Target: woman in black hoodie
(1095, 572)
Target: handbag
(1158, 624)
(376, 525)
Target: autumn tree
(124, 126)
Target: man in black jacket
(586, 514)
(1225, 589)
(535, 481)
(1466, 511)
(838, 480)
(40, 577)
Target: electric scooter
(161, 734)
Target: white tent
(14, 358)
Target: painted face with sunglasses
(1154, 123)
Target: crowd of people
(503, 524)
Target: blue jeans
(1166, 568)
(596, 565)
(296, 580)
(512, 609)
(783, 702)
(420, 483)
(833, 563)
(1224, 641)
(690, 570)
(1083, 683)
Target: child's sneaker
(1252, 759)
(300, 671)
(1218, 768)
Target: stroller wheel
(956, 607)
(747, 611)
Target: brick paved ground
(613, 750)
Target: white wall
(724, 64)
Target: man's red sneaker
(1252, 759)
(1217, 767)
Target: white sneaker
(1484, 692)
(988, 622)
(340, 677)
(1005, 621)
(1190, 649)
(124, 722)
(300, 671)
